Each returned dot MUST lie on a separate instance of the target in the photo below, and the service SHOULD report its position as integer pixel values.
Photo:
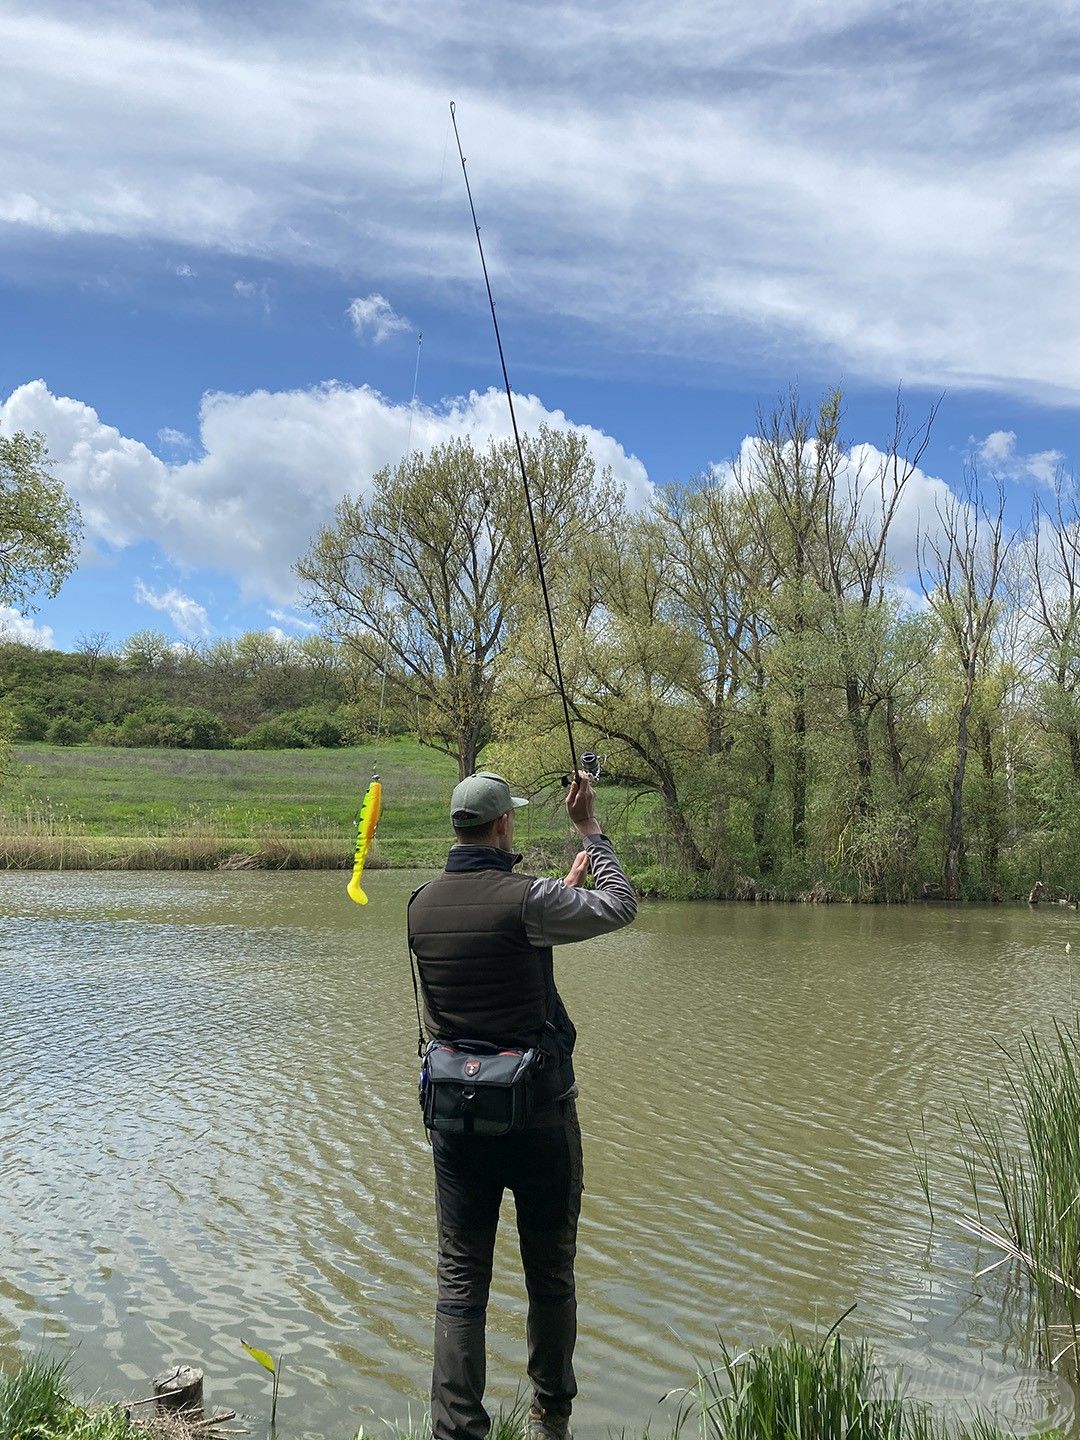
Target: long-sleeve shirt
(558, 914)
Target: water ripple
(209, 1131)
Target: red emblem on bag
(472, 1067)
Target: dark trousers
(541, 1167)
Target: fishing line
(408, 441)
(397, 541)
(520, 455)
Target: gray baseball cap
(481, 798)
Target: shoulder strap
(421, 1043)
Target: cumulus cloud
(186, 614)
(758, 178)
(16, 626)
(272, 468)
(374, 318)
(997, 454)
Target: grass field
(88, 806)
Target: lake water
(208, 1131)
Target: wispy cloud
(819, 179)
(293, 621)
(186, 614)
(257, 291)
(374, 318)
(174, 439)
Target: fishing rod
(588, 761)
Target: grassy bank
(36, 1404)
(789, 1390)
(97, 807)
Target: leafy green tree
(40, 531)
(429, 578)
(40, 526)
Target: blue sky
(221, 228)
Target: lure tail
(365, 833)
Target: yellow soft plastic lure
(370, 811)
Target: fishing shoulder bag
(473, 1087)
(470, 1087)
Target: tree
(823, 514)
(40, 526)
(961, 570)
(145, 651)
(428, 578)
(91, 646)
(1054, 607)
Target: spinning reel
(588, 764)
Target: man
(482, 936)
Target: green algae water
(208, 1131)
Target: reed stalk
(828, 1390)
(1023, 1165)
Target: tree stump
(180, 1389)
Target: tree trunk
(993, 809)
(954, 851)
(1074, 751)
(896, 759)
(860, 734)
(689, 852)
(798, 781)
(466, 759)
(763, 796)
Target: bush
(173, 727)
(31, 722)
(280, 733)
(310, 728)
(323, 728)
(67, 730)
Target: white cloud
(16, 626)
(293, 621)
(373, 318)
(272, 468)
(254, 290)
(997, 454)
(188, 616)
(174, 439)
(755, 178)
(185, 272)
(917, 517)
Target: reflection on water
(209, 1131)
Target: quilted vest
(480, 977)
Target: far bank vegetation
(800, 681)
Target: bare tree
(859, 504)
(91, 646)
(960, 571)
(1055, 608)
